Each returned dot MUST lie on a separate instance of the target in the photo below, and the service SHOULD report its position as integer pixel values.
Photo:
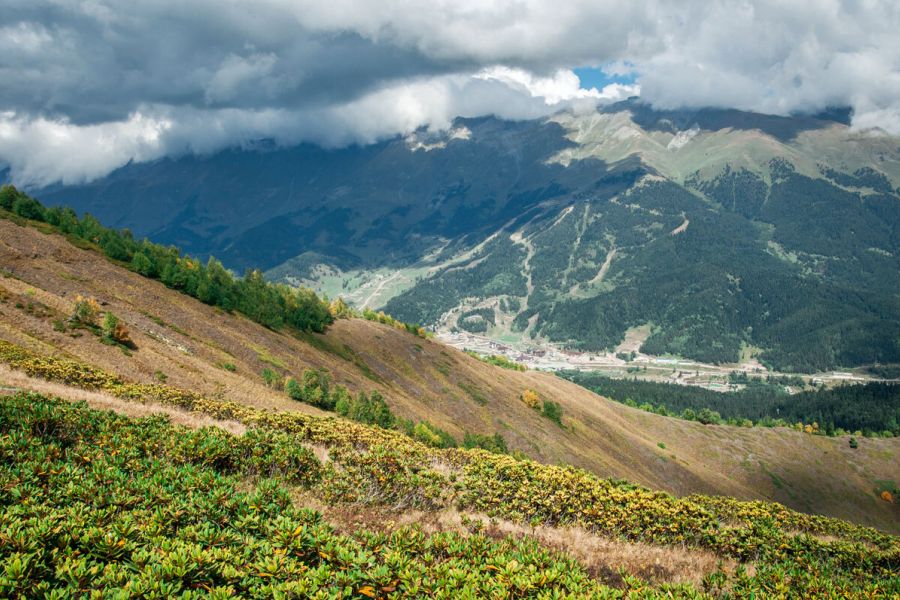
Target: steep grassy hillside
(193, 346)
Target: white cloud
(778, 57)
(562, 86)
(41, 151)
(95, 84)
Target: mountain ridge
(795, 236)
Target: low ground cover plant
(792, 554)
(91, 501)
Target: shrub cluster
(380, 317)
(427, 433)
(86, 315)
(114, 331)
(531, 399)
(86, 312)
(794, 554)
(553, 411)
(367, 408)
(316, 388)
(498, 360)
(76, 520)
(550, 409)
(341, 310)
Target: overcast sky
(88, 85)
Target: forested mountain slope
(728, 232)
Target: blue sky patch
(593, 77)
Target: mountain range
(723, 234)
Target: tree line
(272, 305)
(872, 409)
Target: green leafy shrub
(422, 432)
(372, 410)
(28, 208)
(491, 443)
(114, 330)
(271, 378)
(8, 195)
(316, 388)
(553, 411)
(709, 417)
(427, 433)
(86, 312)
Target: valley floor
(541, 355)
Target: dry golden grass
(603, 557)
(12, 381)
(187, 342)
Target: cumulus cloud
(561, 86)
(777, 57)
(88, 86)
(41, 151)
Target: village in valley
(627, 361)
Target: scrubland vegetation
(76, 519)
(315, 387)
(68, 466)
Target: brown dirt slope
(186, 342)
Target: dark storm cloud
(94, 63)
(91, 84)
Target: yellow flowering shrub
(86, 312)
(531, 399)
